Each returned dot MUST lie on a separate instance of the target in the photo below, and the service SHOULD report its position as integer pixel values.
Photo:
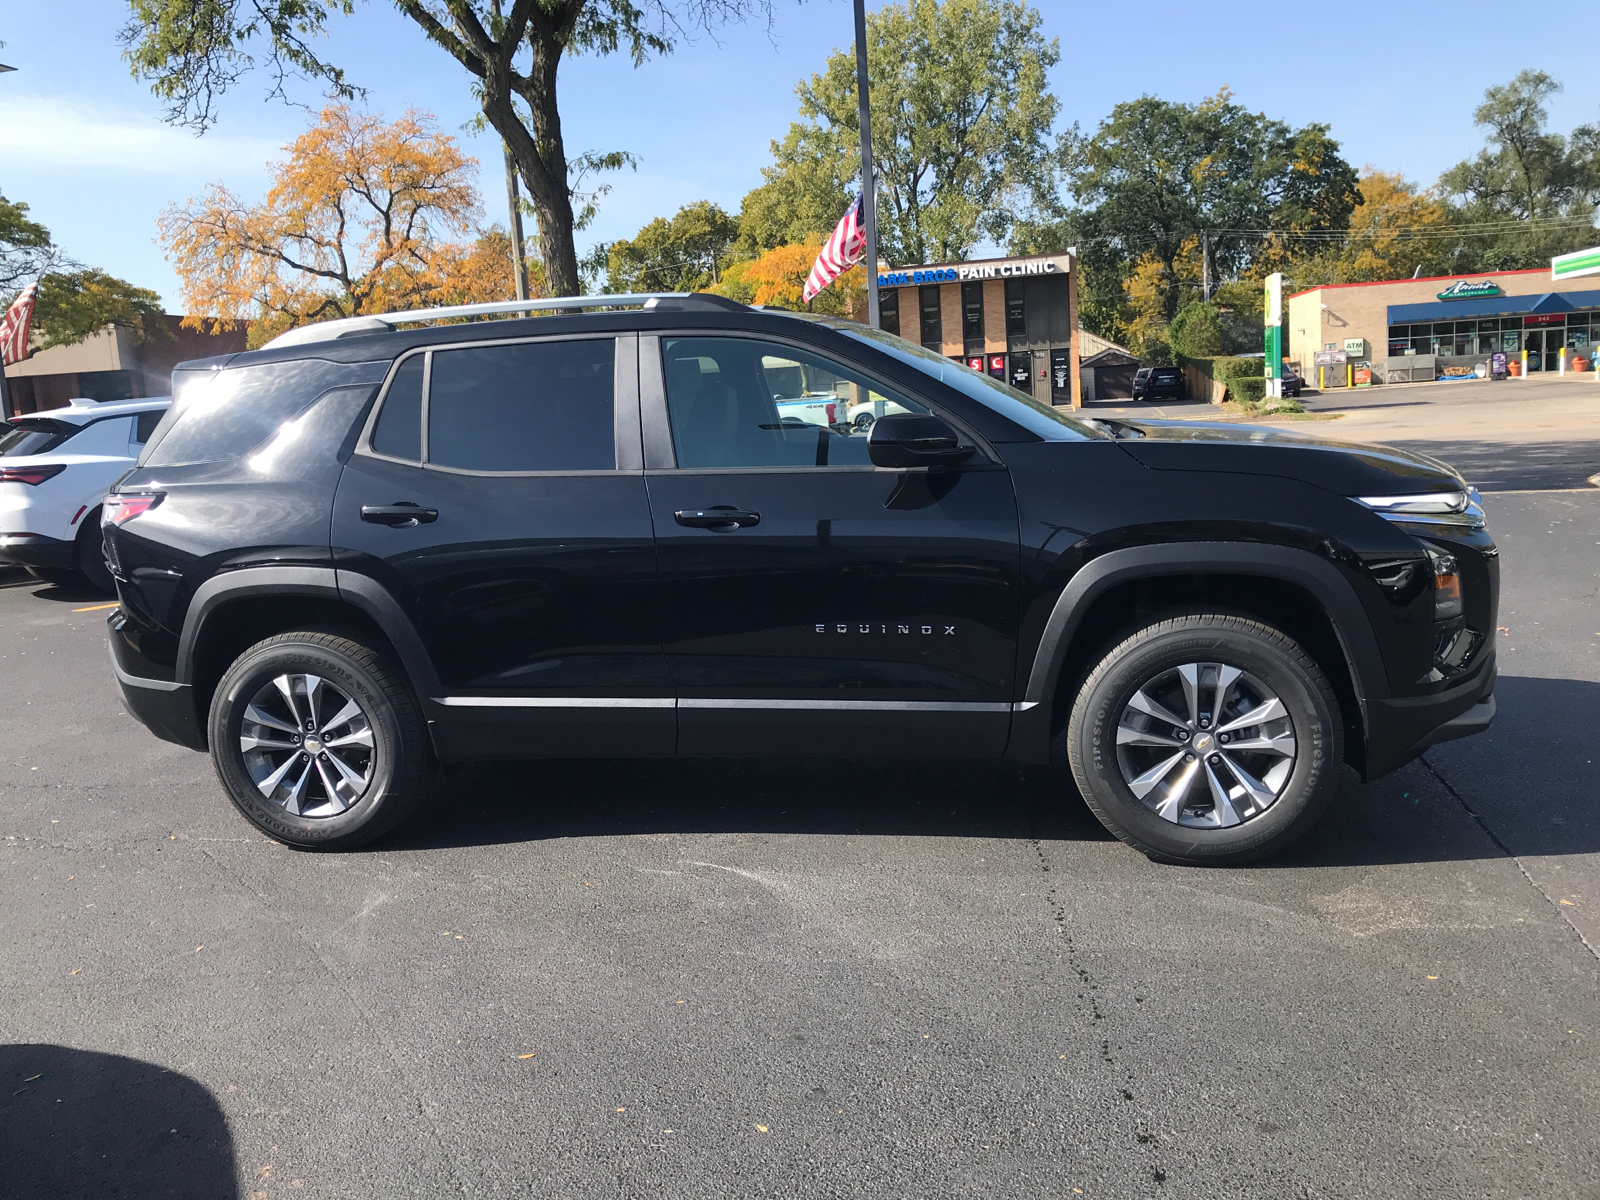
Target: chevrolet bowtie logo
(881, 627)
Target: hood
(1348, 468)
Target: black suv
(1158, 383)
(365, 549)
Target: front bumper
(1401, 728)
(36, 550)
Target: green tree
(961, 117)
(74, 305)
(1160, 180)
(1196, 331)
(74, 301)
(24, 246)
(684, 254)
(1527, 174)
(192, 51)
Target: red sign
(1545, 319)
(976, 362)
(997, 362)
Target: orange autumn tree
(779, 275)
(363, 216)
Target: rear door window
(144, 424)
(533, 406)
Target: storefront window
(972, 313)
(1016, 314)
(1511, 341)
(889, 309)
(932, 325)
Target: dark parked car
(1158, 383)
(373, 545)
(1292, 383)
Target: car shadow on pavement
(492, 803)
(76, 592)
(1514, 466)
(1433, 810)
(76, 1123)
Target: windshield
(1049, 423)
(20, 440)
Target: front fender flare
(1030, 734)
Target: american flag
(14, 326)
(840, 252)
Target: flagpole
(869, 189)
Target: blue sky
(87, 150)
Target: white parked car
(55, 468)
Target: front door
(529, 566)
(812, 603)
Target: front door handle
(404, 515)
(721, 519)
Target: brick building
(1016, 318)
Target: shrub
(1249, 389)
(1196, 332)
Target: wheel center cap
(1202, 743)
(313, 744)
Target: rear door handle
(404, 515)
(722, 518)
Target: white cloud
(45, 133)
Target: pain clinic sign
(1272, 342)
(960, 272)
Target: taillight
(119, 510)
(30, 474)
(830, 409)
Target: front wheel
(318, 740)
(1206, 739)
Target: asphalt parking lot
(797, 979)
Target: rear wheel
(91, 556)
(318, 740)
(1206, 739)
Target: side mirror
(914, 440)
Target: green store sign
(1462, 290)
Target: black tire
(91, 556)
(1266, 655)
(401, 764)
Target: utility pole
(869, 181)
(1205, 266)
(519, 264)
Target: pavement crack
(1506, 850)
(1090, 996)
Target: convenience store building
(1014, 318)
(1445, 327)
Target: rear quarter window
(220, 414)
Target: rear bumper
(1402, 728)
(36, 550)
(165, 708)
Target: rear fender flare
(359, 591)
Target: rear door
(498, 495)
(811, 602)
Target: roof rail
(327, 331)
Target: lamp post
(869, 182)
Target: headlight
(1446, 585)
(1461, 508)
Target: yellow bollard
(1524, 364)
(1561, 357)
(1322, 379)
(1349, 375)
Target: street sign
(1579, 262)
(1272, 339)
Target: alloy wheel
(308, 745)
(1206, 745)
